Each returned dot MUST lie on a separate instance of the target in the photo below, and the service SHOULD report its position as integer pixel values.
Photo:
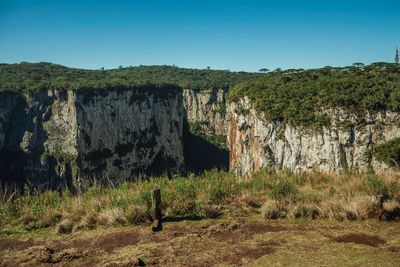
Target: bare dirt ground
(219, 242)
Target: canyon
(72, 138)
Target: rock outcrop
(205, 129)
(256, 143)
(207, 108)
(60, 138)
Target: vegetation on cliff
(297, 96)
(388, 152)
(217, 140)
(34, 77)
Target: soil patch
(237, 230)
(15, 244)
(223, 231)
(259, 228)
(245, 255)
(42, 254)
(394, 249)
(369, 240)
(111, 242)
(107, 243)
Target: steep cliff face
(122, 134)
(32, 128)
(207, 109)
(255, 143)
(205, 130)
(63, 138)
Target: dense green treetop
(296, 96)
(33, 77)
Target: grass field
(278, 219)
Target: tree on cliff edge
(263, 70)
(396, 58)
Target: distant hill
(33, 77)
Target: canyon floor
(246, 241)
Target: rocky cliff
(205, 130)
(207, 109)
(255, 143)
(58, 138)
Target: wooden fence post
(156, 209)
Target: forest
(35, 77)
(296, 96)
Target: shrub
(212, 211)
(388, 152)
(89, 221)
(29, 222)
(92, 192)
(112, 217)
(217, 194)
(375, 185)
(271, 210)
(350, 215)
(305, 211)
(65, 227)
(135, 214)
(391, 209)
(283, 190)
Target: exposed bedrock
(205, 131)
(206, 108)
(256, 143)
(65, 138)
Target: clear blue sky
(237, 35)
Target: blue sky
(235, 35)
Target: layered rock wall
(31, 128)
(256, 143)
(124, 134)
(64, 138)
(207, 108)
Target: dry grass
(65, 227)
(221, 242)
(136, 214)
(112, 217)
(276, 195)
(293, 219)
(391, 205)
(271, 210)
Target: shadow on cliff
(13, 160)
(201, 155)
(20, 157)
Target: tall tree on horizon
(396, 58)
(263, 70)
